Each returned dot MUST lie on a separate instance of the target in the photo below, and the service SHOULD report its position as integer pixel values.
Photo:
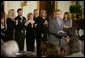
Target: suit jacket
(20, 28)
(39, 25)
(10, 28)
(10, 25)
(20, 25)
(53, 31)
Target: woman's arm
(70, 24)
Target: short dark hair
(35, 9)
(58, 10)
(19, 9)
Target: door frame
(38, 5)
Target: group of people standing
(40, 27)
(62, 34)
(34, 27)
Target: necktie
(59, 22)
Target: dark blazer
(38, 32)
(44, 28)
(20, 25)
(20, 28)
(20, 31)
(39, 24)
(10, 28)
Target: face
(58, 14)
(43, 14)
(66, 16)
(12, 13)
(30, 17)
(20, 13)
(36, 13)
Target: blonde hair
(9, 13)
(43, 11)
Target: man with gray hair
(56, 28)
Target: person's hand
(16, 22)
(45, 22)
(42, 35)
(66, 26)
(32, 22)
(26, 23)
(67, 39)
(61, 31)
(32, 25)
(21, 21)
(35, 25)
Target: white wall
(63, 5)
(31, 5)
(30, 8)
(11, 5)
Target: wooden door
(49, 6)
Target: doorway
(49, 6)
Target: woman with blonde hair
(44, 20)
(10, 25)
(44, 27)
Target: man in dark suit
(37, 31)
(20, 30)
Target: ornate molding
(23, 3)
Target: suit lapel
(57, 24)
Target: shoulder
(52, 20)
(38, 17)
(24, 17)
(16, 17)
(8, 19)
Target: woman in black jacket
(44, 20)
(10, 25)
(44, 27)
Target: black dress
(30, 37)
(10, 29)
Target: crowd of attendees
(55, 36)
